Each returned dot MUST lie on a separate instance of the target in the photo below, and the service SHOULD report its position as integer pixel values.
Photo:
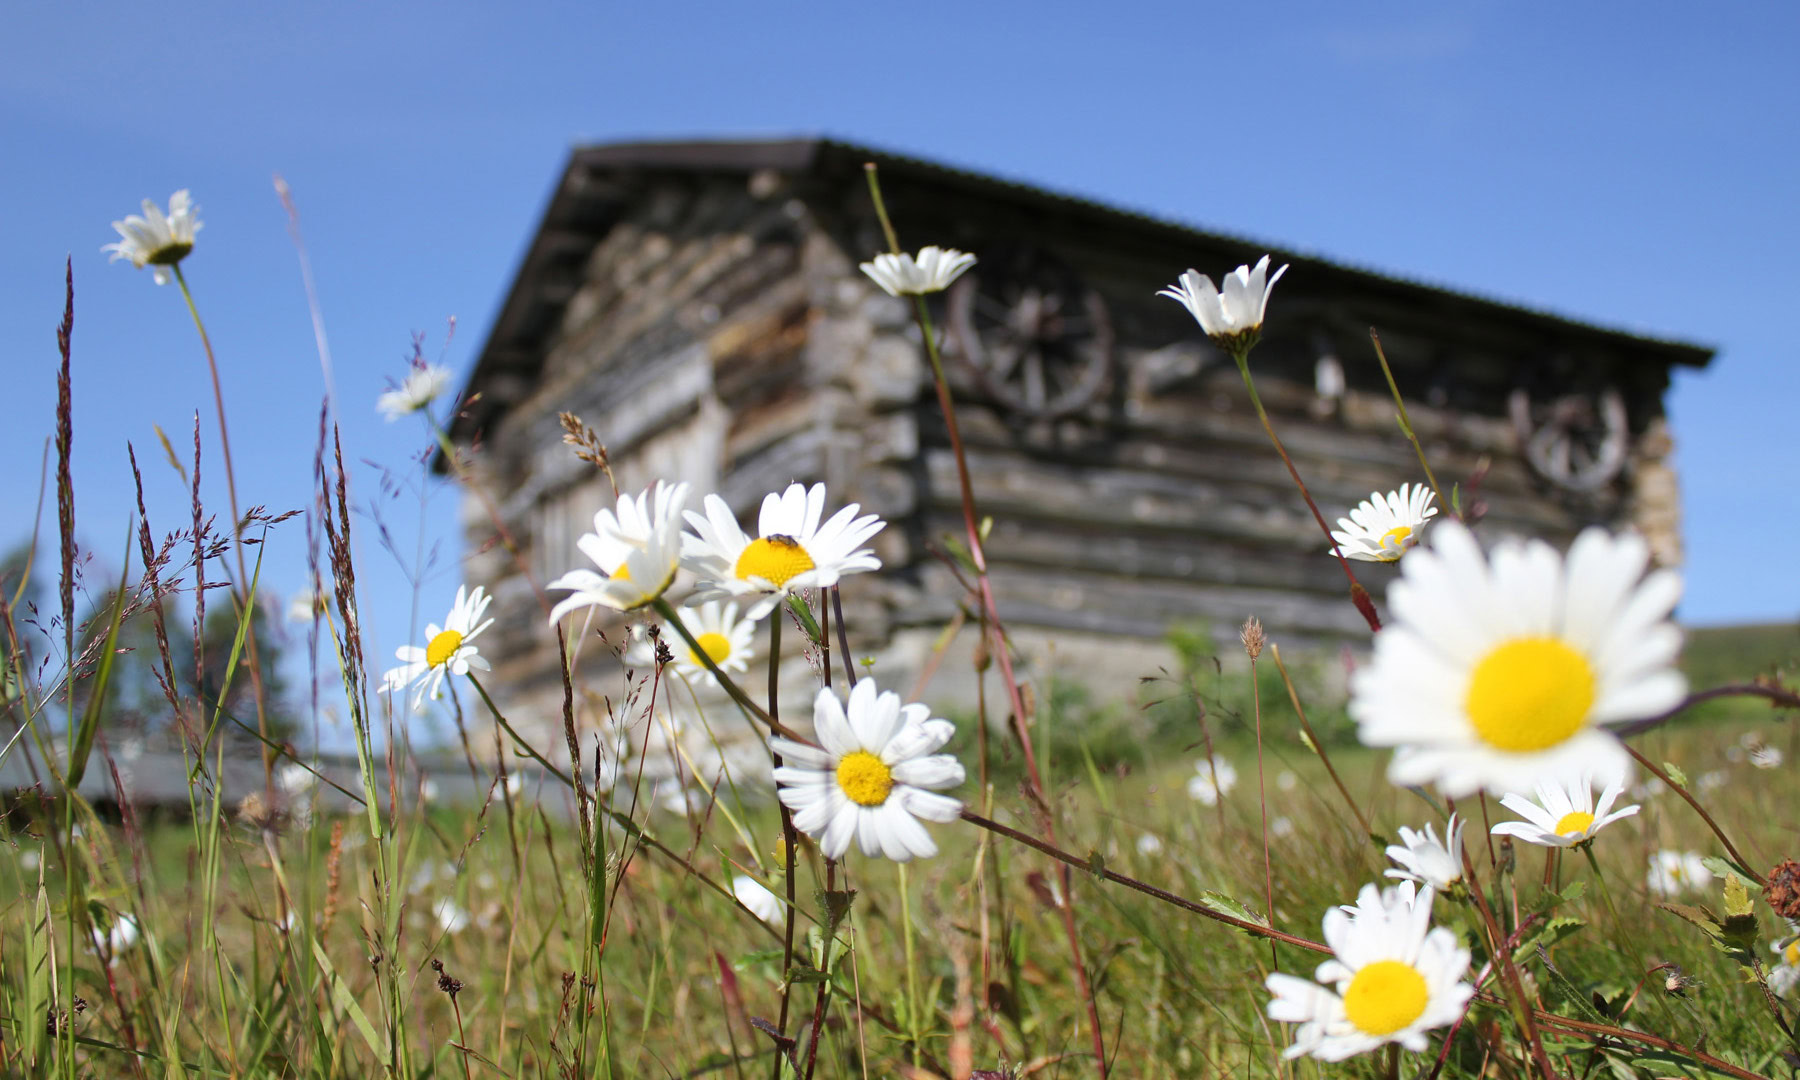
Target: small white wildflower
(1424, 860)
(155, 240)
(421, 387)
(932, 271)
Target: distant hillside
(1722, 654)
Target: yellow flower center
(865, 778)
(716, 646)
(1385, 996)
(776, 559)
(1396, 539)
(1792, 953)
(443, 647)
(1574, 823)
(623, 573)
(1530, 694)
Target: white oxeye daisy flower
(1497, 672)
(155, 240)
(1675, 872)
(638, 550)
(1383, 527)
(296, 780)
(420, 388)
(306, 605)
(1214, 779)
(447, 649)
(1784, 974)
(451, 917)
(792, 550)
(762, 903)
(1766, 757)
(725, 638)
(932, 271)
(1149, 844)
(122, 935)
(1564, 814)
(1424, 860)
(1234, 317)
(867, 779)
(1392, 977)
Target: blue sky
(1625, 164)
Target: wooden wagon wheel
(1037, 339)
(1582, 441)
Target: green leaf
(805, 615)
(1569, 989)
(83, 743)
(1675, 773)
(1225, 905)
(836, 905)
(1724, 868)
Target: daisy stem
(1358, 595)
(1318, 748)
(1509, 972)
(1405, 421)
(1262, 794)
(912, 969)
(991, 611)
(790, 839)
(1743, 864)
(237, 532)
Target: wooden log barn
(699, 304)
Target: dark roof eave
(809, 154)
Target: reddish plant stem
(1509, 973)
(1779, 697)
(997, 628)
(818, 1020)
(1743, 863)
(1144, 887)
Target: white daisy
(1233, 318)
(1383, 527)
(1424, 860)
(1495, 673)
(306, 605)
(157, 241)
(1392, 978)
(296, 780)
(1675, 872)
(1766, 757)
(420, 388)
(762, 903)
(447, 649)
(1564, 814)
(867, 779)
(1149, 844)
(122, 935)
(451, 917)
(1214, 780)
(1784, 973)
(638, 550)
(725, 638)
(792, 549)
(932, 271)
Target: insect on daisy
(932, 271)
(156, 240)
(1392, 977)
(1564, 814)
(868, 778)
(1424, 860)
(638, 551)
(448, 649)
(1383, 527)
(1498, 672)
(792, 550)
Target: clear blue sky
(1630, 164)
